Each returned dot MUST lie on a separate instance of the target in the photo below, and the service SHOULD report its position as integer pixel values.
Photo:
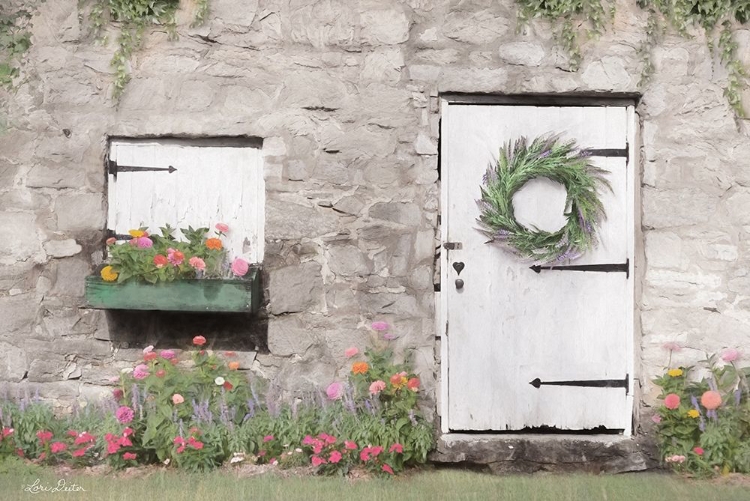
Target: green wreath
(559, 161)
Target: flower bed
(202, 412)
(703, 425)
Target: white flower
(148, 349)
(237, 457)
(297, 450)
(127, 370)
(219, 381)
(166, 461)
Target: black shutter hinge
(609, 152)
(117, 236)
(604, 268)
(113, 168)
(588, 383)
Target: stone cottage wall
(345, 95)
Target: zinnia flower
(672, 346)
(197, 263)
(214, 243)
(334, 391)
(117, 393)
(379, 326)
(124, 414)
(199, 340)
(233, 366)
(360, 368)
(674, 372)
(58, 447)
(140, 371)
(711, 400)
(160, 260)
(111, 241)
(387, 469)
(144, 243)
(350, 352)
(219, 381)
(672, 401)
(108, 274)
(227, 385)
(129, 456)
(656, 418)
(335, 457)
(223, 228)
(413, 384)
(376, 387)
(167, 354)
(693, 413)
(175, 257)
(137, 233)
(396, 448)
(240, 267)
(698, 450)
(149, 356)
(177, 399)
(730, 355)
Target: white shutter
(211, 184)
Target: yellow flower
(136, 233)
(693, 413)
(108, 274)
(674, 372)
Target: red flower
(79, 453)
(127, 432)
(129, 456)
(387, 469)
(58, 447)
(267, 438)
(365, 454)
(199, 340)
(227, 385)
(117, 394)
(376, 450)
(350, 445)
(698, 450)
(335, 457)
(160, 260)
(317, 461)
(44, 436)
(151, 355)
(396, 448)
(72, 433)
(413, 384)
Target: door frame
(634, 243)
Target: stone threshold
(529, 453)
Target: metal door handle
(459, 284)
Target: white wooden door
(508, 326)
(207, 185)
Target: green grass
(426, 485)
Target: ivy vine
(133, 17)
(717, 18)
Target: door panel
(509, 325)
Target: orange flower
(360, 368)
(233, 366)
(214, 243)
(398, 380)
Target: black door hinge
(114, 168)
(609, 152)
(588, 383)
(604, 268)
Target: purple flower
(388, 336)
(144, 243)
(167, 354)
(545, 154)
(380, 326)
(335, 391)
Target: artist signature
(61, 486)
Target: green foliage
(133, 17)
(716, 17)
(521, 162)
(694, 434)
(15, 39)
(162, 258)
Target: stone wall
(345, 96)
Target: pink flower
(177, 399)
(328, 439)
(144, 243)
(175, 257)
(79, 453)
(335, 391)
(348, 444)
(240, 267)
(148, 349)
(388, 336)
(376, 387)
(111, 241)
(698, 450)
(675, 459)
(672, 401)
(672, 346)
(413, 384)
(396, 448)
(387, 469)
(308, 440)
(129, 456)
(167, 354)
(140, 371)
(656, 418)
(711, 400)
(161, 373)
(58, 447)
(730, 355)
(199, 341)
(197, 263)
(267, 438)
(127, 432)
(350, 352)
(124, 414)
(376, 450)
(335, 457)
(223, 228)
(379, 326)
(7, 431)
(317, 461)
(151, 355)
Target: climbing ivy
(133, 16)
(716, 17)
(15, 39)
